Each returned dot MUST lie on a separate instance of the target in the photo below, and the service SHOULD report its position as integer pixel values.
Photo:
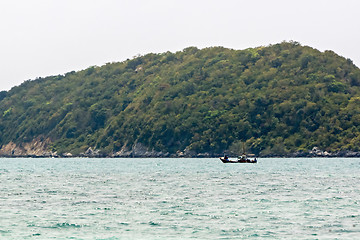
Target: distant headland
(282, 100)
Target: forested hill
(279, 99)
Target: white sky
(40, 38)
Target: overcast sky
(40, 38)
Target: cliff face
(36, 148)
(138, 150)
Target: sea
(157, 198)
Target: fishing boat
(241, 159)
(244, 158)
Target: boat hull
(224, 160)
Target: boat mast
(243, 146)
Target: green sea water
(179, 199)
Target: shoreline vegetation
(282, 100)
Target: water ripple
(179, 199)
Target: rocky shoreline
(39, 149)
(143, 153)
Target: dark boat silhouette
(244, 158)
(241, 159)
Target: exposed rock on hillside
(36, 148)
